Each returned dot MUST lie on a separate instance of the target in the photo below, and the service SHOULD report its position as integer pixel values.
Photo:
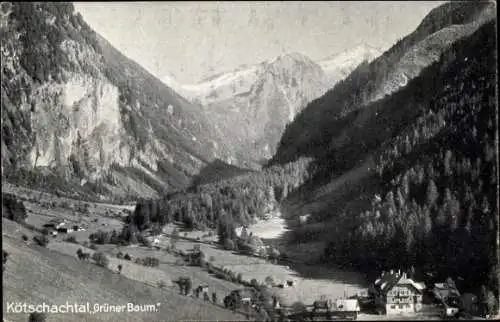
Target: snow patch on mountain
(340, 65)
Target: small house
(55, 223)
(304, 219)
(203, 288)
(60, 225)
(446, 292)
(63, 230)
(346, 305)
(395, 293)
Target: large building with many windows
(395, 293)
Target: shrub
(127, 257)
(5, 255)
(13, 208)
(71, 239)
(25, 238)
(298, 307)
(149, 261)
(143, 240)
(41, 240)
(119, 255)
(187, 286)
(240, 278)
(269, 280)
(120, 268)
(100, 259)
(93, 246)
(37, 317)
(229, 244)
(254, 283)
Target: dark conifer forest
(430, 201)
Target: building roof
(386, 282)
(443, 290)
(245, 292)
(56, 221)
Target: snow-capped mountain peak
(340, 65)
(251, 105)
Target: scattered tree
(37, 317)
(100, 259)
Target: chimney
(404, 275)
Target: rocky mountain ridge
(76, 109)
(251, 105)
(369, 82)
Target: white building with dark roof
(395, 293)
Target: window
(393, 306)
(401, 306)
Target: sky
(190, 41)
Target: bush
(127, 257)
(41, 240)
(148, 261)
(298, 307)
(71, 239)
(229, 244)
(119, 255)
(240, 278)
(37, 317)
(5, 255)
(13, 208)
(100, 259)
(143, 240)
(254, 283)
(25, 238)
(269, 280)
(93, 246)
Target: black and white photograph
(249, 161)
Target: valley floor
(35, 274)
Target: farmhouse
(55, 223)
(446, 292)
(78, 228)
(449, 295)
(395, 293)
(303, 219)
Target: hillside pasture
(36, 275)
(167, 271)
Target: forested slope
(312, 129)
(234, 201)
(431, 200)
